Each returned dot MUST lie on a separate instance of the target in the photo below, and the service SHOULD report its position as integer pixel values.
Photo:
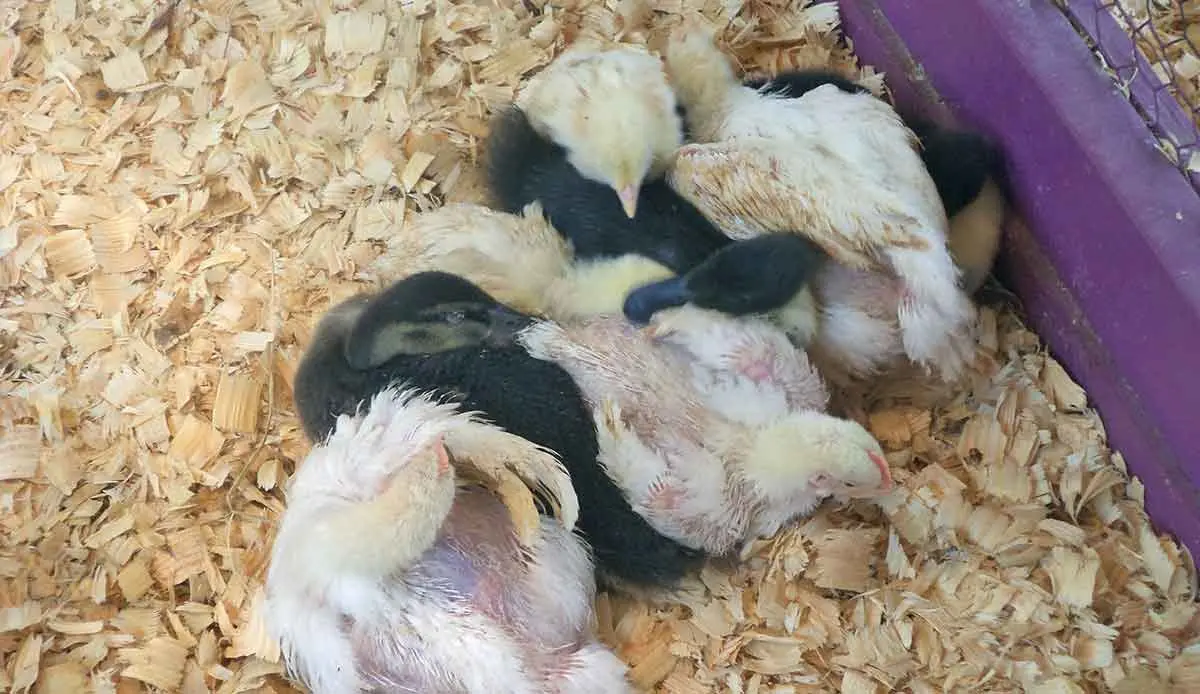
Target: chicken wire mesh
(1151, 50)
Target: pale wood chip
(237, 403)
(160, 663)
(20, 453)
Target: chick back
(523, 166)
(527, 397)
(959, 162)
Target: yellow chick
(520, 260)
(712, 425)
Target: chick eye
(418, 335)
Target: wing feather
(747, 188)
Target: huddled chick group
(620, 369)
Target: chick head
(757, 275)
(427, 313)
(371, 498)
(419, 493)
(613, 111)
(807, 457)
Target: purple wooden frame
(1104, 249)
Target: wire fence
(1151, 50)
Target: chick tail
(937, 319)
(512, 147)
(703, 80)
(975, 233)
(858, 342)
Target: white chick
(841, 169)
(389, 575)
(711, 424)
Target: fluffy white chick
(520, 260)
(841, 169)
(390, 575)
(612, 109)
(712, 429)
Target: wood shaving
(183, 192)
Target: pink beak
(884, 471)
(443, 456)
(629, 199)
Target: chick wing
(513, 466)
(747, 187)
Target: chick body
(840, 168)
(488, 372)
(386, 578)
(967, 169)
(712, 425)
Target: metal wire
(1151, 50)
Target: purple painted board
(1110, 268)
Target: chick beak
(885, 472)
(504, 324)
(443, 457)
(629, 199)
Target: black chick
(438, 332)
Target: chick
(389, 573)
(523, 166)
(709, 426)
(839, 168)
(967, 169)
(440, 333)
